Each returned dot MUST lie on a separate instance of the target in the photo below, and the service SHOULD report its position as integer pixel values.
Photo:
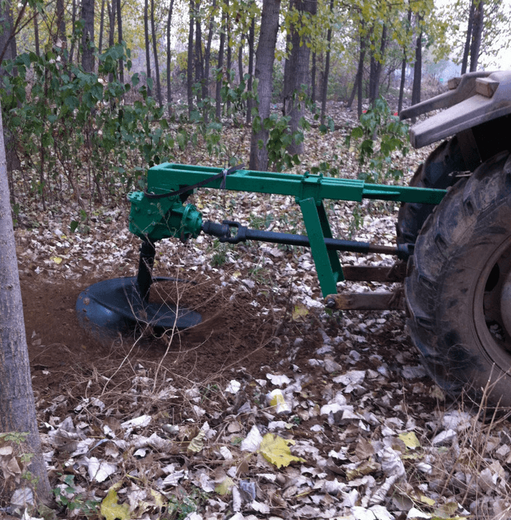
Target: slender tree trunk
(359, 76)
(417, 69)
(8, 51)
(402, 85)
(17, 407)
(61, 24)
(477, 35)
(298, 73)
(221, 51)
(378, 65)
(240, 60)
(155, 52)
(73, 27)
(251, 38)
(264, 74)
(229, 58)
(326, 73)
(403, 69)
(7, 34)
(468, 39)
(189, 72)
(199, 58)
(207, 55)
(111, 29)
(36, 34)
(169, 26)
(147, 47)
(101, 27)
(88, 35)
(119, 35)
(314, 69)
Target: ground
(272, 407)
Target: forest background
(96, 91)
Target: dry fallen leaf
(197, 443)
(275, 449)
(110, 509)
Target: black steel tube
(223, 232)
(145, 269)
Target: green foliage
(181, 505)
(67, 121)
(279, 139)
(260, 221)
(379, 135)
(67, 496)
(219, 257)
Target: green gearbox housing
(156, 219)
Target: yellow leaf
(299, 312)
(56, 259)
(410, 440)
(196, 444)
(275, 449)
(110, 509)
(426, 500)
(159, 499)
(446, 510)
(225, 486)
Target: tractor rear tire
(437, 171)
(458, 288)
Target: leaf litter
(272, 408)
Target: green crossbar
(159, 218)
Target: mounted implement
(458, 283)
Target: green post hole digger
(453, 240)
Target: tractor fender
(475, 99)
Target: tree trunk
(251, 38)
(169, 26)
(60, 37)
(119, 35)
(468, 39)
(477, 35)
(8, 51)
(264, 74)
(61, 24)
(73, 28)
(199, 58)
(147, 48)
(207, 55)
(101, 27)
(403, 69)
(111, 29)
(17, 407)
(88, 35)
(297, 72)
(36, 35)
(417, 69)
(155, 52)
(377, 63)
(221, 51)
(189, 71)
(324, 85)
(229, 58)
(313, 77)
(359, 76)
(240, 60)
(7, 34)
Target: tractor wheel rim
(492, 305)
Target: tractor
(453, 240)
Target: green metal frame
(155, 219)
